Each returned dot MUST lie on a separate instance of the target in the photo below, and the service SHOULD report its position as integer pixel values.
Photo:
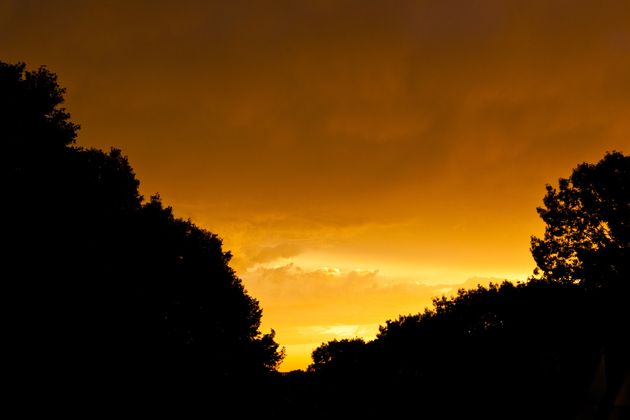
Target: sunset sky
(357, 157)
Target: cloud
(293, 297)
(341, 109)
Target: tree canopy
(505, 351)
(526, 350)
(587, 225)
(103, 283)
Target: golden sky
(357, 157)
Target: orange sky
(357, 157)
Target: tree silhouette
(518, 351)
(102, 286)
(343, 352)
(587, 242)
(505, 351)
(30, 111)
(216, 318)
(587, 233)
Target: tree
(518, 350)
(197, 304)
(337, 354)
(587, 243)
(31, 115)
(587, 232)
(102, 284)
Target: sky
(356, 157)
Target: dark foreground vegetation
(111, 301)
(110, 296)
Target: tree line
(113, 299)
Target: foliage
(587, 233)
(103, 284)
(523, 349)
(526, 350)
(30, 112)
(337, 353)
